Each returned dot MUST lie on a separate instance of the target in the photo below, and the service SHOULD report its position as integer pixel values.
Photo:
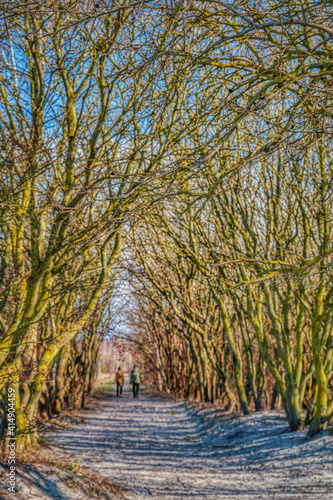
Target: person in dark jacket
(119, 381)
(136, 378)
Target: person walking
(136, 378)
(119, 382)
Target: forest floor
(156, 448)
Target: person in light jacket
(136, 379)
(119, 381)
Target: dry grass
(71, 474)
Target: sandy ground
(159, 449)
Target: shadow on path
(156, 448)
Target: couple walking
(135, 380)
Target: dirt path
(155, 448)
(160, 449)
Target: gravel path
(159, 449)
